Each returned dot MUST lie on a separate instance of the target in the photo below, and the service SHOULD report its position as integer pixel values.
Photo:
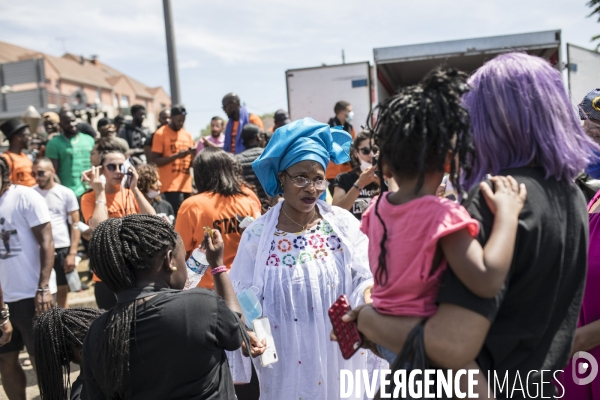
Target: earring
(173, 268)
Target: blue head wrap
(301, 140)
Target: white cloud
(188, 64)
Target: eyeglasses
(114, 167)
(41, 174)
(368, 150)
(302, 182)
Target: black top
(345, 181)
(246, 158)
(76, 388)
(136, 136)
(84, 127)
(178, 344)
(336, 122)
(535, 314)
(163, 207)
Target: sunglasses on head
(368, 150)
(41, 174)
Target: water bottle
(196, 265)
(251, 307)
(73, 281)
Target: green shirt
(73, 157)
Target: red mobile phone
(348, 336)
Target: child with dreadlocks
(423, 132)
(58, 340)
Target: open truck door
(401, 66)
(313, 92)
(583, 67)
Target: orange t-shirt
(218, 212)
(21, 168)
(175, 176)
(253, 119)
(333, 170)
(118, 204)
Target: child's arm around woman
(484, 269)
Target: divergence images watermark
(431, 383)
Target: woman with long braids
(522, 125)
(58, 342)
(301, 256)
(158, 342)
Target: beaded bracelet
(218, 270)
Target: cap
(589, 108)
(281, 117)
(52, 116)
(104, 122)
(178, 109)
(12, 126)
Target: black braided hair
(57, 334)
(4, 173)
(415, 130)
(119, 246)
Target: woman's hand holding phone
(134, 177)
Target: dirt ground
(80, 299)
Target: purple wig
(521, 114)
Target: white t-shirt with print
(61, 201)
(21, 208)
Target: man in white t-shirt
(26, 260)
(64, 214)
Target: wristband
(356, 186)
(46, 289)
(218, 270)
(5, 313)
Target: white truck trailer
(406, 65)
(314, 91)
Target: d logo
(581, 368)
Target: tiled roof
(77, 69)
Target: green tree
(595, 6)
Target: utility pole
(343, 57)
(173, 73)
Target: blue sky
(246, 46)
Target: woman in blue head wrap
(300, 257)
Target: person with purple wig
(523, 126)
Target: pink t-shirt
(220, 141)
(413, 231)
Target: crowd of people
(458, 214)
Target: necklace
(303, 227)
